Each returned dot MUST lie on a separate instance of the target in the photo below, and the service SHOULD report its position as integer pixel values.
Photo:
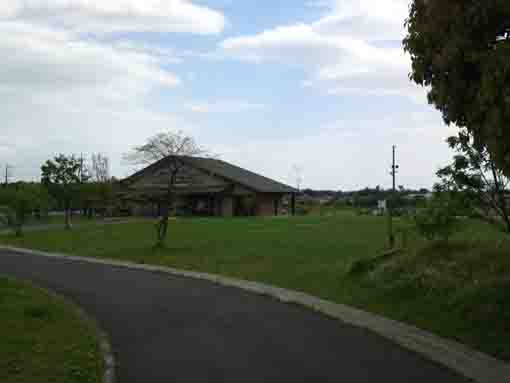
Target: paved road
(171, 329)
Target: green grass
(460, 290)
(42, 339)
(307, 253)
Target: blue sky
(268, 85)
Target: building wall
(226, 206)
(144, 210)
(266, 204)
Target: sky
(269, 85)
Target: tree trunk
(501, 198)
(68, 224)
(19, 222)
(162, 230)
(506, 218)
(162, 227)
(19, 229)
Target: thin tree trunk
(506, 217)
(68, 224)
(162, 229)
(19, 229)
(501, 198)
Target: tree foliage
(474, 174)
(438, 219)
(460, 50)
(62, 177)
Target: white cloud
(104, 16)
(62, 90)
(164, 54)
(222, 106)
(365, 19)
(60, 94)
(37, 59)
(318, 4)
(343, 51)
(353, 154)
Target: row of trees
(67, 179)
(67, 182)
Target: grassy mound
(459, 289)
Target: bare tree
(171, 146)
(100, 168)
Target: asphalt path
(173, 329)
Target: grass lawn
(42, 339)
(460, 290)
(308, 253)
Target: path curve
(165, 328)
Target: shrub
(438, 220)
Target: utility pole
(394, 169)
(83, 173)
(7, 174)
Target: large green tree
(460, 50)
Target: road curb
(472, 364)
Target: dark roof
(229, 172)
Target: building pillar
(227, 207)
(212, 205)
(293, 204)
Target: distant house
(418, 196)
(206, 187)
(382, 205)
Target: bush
(438, 220)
